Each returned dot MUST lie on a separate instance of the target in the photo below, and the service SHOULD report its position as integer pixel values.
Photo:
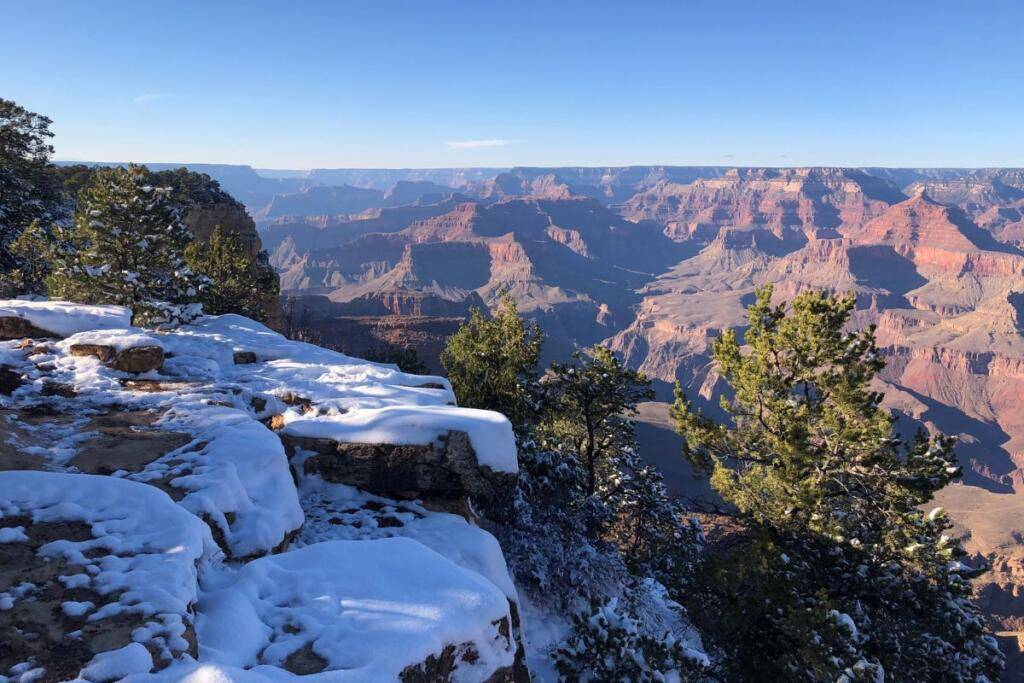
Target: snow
(240, 470)
(490, 433)
(65, 319)
(143, 553)
(389, 586)
(11, 534)
(369, 608)
(114, 665)
(119, 339)
(361, 513)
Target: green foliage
(31, 252)
(236, 283)
(405, 358)
(189, 188)
(592, 522)
(814, 469)
(588, 409)
(492, 363)
(186, 188)
(607, 645)
(127, 248)
(29, 189)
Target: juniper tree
(29, 189)
(235, 281)
(838, 570)
(127, 247)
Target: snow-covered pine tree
(592, 524)
(589, 404)
(128, 246)
(29, 189)
(607, 645)
(235, 281)
(837, 573)
(492, 360)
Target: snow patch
(370, 609)
(490, 433)
(66, 319)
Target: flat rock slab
(126, 442)
(94, 566)
(444, 473)
(135, 359)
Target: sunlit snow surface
(369, 597)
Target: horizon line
(93, 162)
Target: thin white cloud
(151, 97)
(474, 144)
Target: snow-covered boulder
(97, 575)
(126, 350)
(442, 454)
(363, 610)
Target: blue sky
(305, 84)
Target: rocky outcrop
(799, 199)
(138, 515)
(135, 359)
(232, 218)
(446, 474)
(229, 217)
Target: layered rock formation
(934, 256)
(945, 294)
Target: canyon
(656, 261)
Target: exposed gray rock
(445, 473)
(244, 357)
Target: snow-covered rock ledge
(325, 561)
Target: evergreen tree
(405, 357)
(607, 645)
(576, 540)
(492, 363)
(235, 282)
(127, 247)
(589, 404)
(838, 571)
(29, 188)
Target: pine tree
(235, 282)
(127, 248)
(575, 539)
(607, 645)
(838, 571)
(30, 190)
(405, 357)
(492, 363)
(590, 401)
